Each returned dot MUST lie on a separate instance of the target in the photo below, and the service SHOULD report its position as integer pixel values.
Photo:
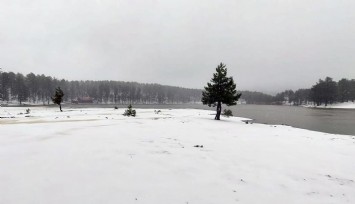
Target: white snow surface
(97, 156)
(345, 105)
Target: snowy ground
(100, 156)
(345, 105)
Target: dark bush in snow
(227, 113)
(130, 111)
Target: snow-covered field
(99, 156)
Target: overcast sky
(268, 45)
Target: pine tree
(343, 90)
(130, 111)
(58, 97)
(222, 89)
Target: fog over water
(268, 45)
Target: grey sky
(268, 45)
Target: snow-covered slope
(100, 156)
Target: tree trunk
(219, 110)
(60, 107)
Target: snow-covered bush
(130, 111)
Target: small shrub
(130, 112)
(227, 113)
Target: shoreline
(19, 112)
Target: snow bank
(100, 156)
(345, 105)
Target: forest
(324, 92)
(38, 89)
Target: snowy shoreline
(97, 155)
(345, 106)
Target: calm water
(338, 121)
(325, 120)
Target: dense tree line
(39, 89)
(33, 88)
(324, 92)
(254, 97)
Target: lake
(337, 121)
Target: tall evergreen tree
(58, 98)
(221, 89)
(344, 90)
(21, 90)
(352, 90)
